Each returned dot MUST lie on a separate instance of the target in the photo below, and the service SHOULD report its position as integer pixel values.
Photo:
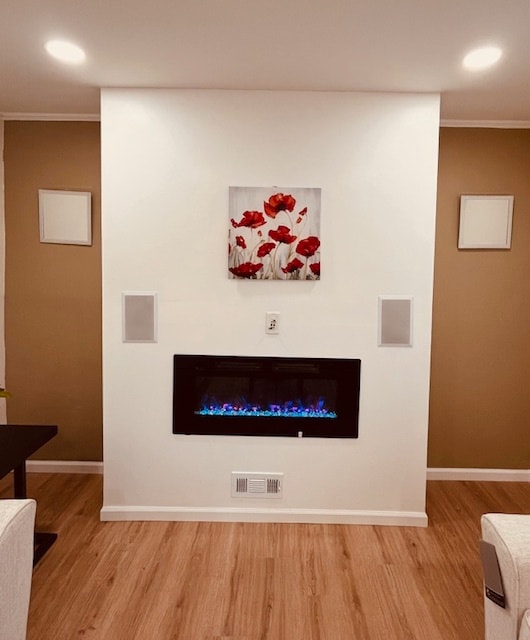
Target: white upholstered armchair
(510, 535)
(17, 523)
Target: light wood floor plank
(244, 581)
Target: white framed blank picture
(485, 222)
(65, 216)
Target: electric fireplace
(266, 396)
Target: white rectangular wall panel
(485, 222)
(65, 217)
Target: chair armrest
(524, 633)
(510, 534)
(17, 524)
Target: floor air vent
(256, 485)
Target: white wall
(168, 158)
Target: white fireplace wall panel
(168, 158)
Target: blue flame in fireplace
(289, 409)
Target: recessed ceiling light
(65, 51)
(482, 58)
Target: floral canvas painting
(274, 233)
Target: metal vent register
(256, 485)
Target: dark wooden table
(17, 443)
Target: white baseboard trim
(433, 473)
(488, 475)
(53, 117)
(487, 124)
(115, 513)
(63, 466)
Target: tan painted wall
(480, 383)
(53, 292)
(480, 400)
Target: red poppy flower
(240, 241)
(315, 268)
(279, 202)
(303, 212)
(294, 265)
(252, 219)
(308, 246)
(281, 234)
(246, 270)
(265, 249)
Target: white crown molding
(486, 475)
(487, 124)
(52, 117)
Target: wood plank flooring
(239, 581)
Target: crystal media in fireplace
(266, 396)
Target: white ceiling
(322, 45)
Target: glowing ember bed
(266, 396)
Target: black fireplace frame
(346, 372)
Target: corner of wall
(3, 412)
